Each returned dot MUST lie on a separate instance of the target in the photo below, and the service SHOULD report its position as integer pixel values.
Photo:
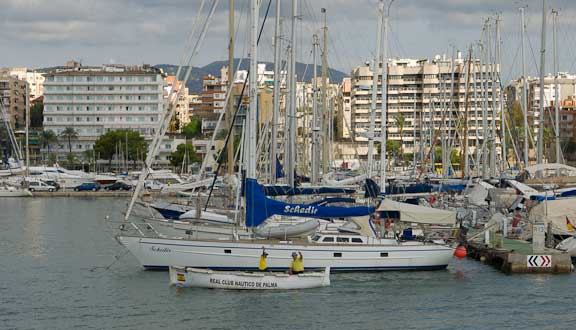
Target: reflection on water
(49, 249)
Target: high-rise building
(182, 106)
(34, 79)
(13, 97)
(420, 109)
(95, 100)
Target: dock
(516, 257)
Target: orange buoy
(460, 252)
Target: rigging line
(189, 41)
(165, 123)
(230, 129)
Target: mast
(484, 94)
(492, 53)
(277, 87)
(559, 158)
(292, 110)
(252, 121)
(414, 138)
(325, 122)
(474, 72)
(465, 172)
(542, 67)
(498, 51)
(375, 94)
(524, 91)
(315, 116)
(230, 106)
(27, 128)
(384, 112)
(451, 104)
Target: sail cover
(259, 207)
(558, 212)
(418, 214)
(289, 191)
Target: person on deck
(297, 264)
(262, 266)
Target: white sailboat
(359, 249)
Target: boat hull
(205, 278)
(160, 253)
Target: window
(328, 239)
(337, 254)
(383, 254)
(342, 239)
(79, 146)
(167, 146)
(228, 251)
(152, 119)
(357, 240)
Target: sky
(40, 33)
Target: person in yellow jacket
(262, 266)
(297, 264)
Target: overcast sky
(38, 33)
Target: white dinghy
(238, 280)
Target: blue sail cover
(289, 191)
(279, 169)
(331, 200)
(259, 207)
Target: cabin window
(337, 254)
(357, 240)
(228, 251)
(328, 239)
(383, 254)
(342, 239)
(315, 238)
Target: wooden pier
(516, 257)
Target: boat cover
(556, 212)
(293, 191)
(418, 214)
(259, 207)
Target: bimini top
(550, 170)
(418, 214)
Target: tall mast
(542, 67)
(27, 128)
(375, 94)
(292, 111)
(556, 91)
(325, 122)
(277, 87)
(466, 172)
(253, 115)
(414, 138)
(500, 96)
(474, 72)
(451, 104)
(384, 112)
(484, 94)
(229, 106)
(315, 115)
(492, 41)
(524, 91)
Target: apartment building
(420, 108)
(182, 105)
(95, 100)
(13, 97)
(34, 79)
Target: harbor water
(53, 275)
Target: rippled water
(49, 248)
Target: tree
(107, 145)
(184, 151)
(400, 121)
(193, 129)
(37, 114)
(47, 138)
(392, 147)
(69, 133)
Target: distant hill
(194, 84)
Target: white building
(420, 92)
(34, 79)
(96, 100)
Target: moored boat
(207, 278)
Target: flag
(569, 225)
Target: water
(50, 246)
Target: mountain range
(194, 83)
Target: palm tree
(400, 121)
(47, 138)
(69, 133)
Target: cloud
(37, 33)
